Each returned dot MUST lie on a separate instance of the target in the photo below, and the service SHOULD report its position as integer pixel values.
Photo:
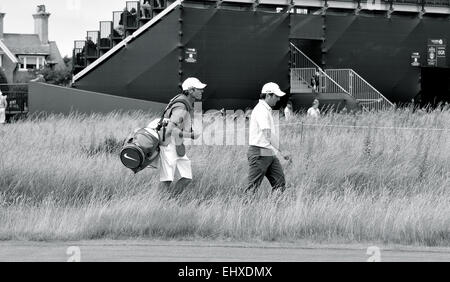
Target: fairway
(176, 251)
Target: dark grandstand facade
(396, 50)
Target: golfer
(263, 141)
(172, 151)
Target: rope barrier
(366, 126)
(302, 124)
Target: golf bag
(140, 149)
(142, 146)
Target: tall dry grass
(61, 179)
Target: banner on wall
(415, 59)
(191, 55)
(436, 53)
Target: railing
(303, 69)
(367, 96)
(17, 98)
(92, 39)
(442, 3)
(120, 42)
(420, 2)
(298, 76)
(105, 35)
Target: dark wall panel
(147, 68)
(237, 52)
(379, 49)
(307, 27)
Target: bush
(57, 77)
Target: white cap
(192, 82)
(272, 87)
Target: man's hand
(195, 135)
(287, 158)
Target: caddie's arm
(176, 124)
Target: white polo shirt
(313, 112)
(262, 118)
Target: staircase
(367, 96)
(337, 87)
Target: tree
(62, 76)
(3, 81)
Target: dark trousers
(261, 165)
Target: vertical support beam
(324, 34)
(358, 8)
(422, 11)
(323, 11)
(391, 9)
(255, 5)
(290, 6)
(180, 46)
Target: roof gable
(8, 52)
(25, 44)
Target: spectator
(146, 9)
(91, 47)
(315, 81)
(119, 30)
(159, 3)
(3, 105)
(314, 110)
(288, 111)
(132, 18)
(123, 16)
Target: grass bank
(61, 179)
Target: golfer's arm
(268, 135)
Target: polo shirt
(260, 119)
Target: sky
(69, 19)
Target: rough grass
(61, 179)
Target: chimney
(2, 15)
(41, 23)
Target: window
(300, 11)
(31, 62)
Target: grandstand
(362, 49)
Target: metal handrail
(367, 95)
(442, 3)
(302, 64)
(16, 96)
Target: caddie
(177, 125)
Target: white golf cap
(272, 87)
(192, 82)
